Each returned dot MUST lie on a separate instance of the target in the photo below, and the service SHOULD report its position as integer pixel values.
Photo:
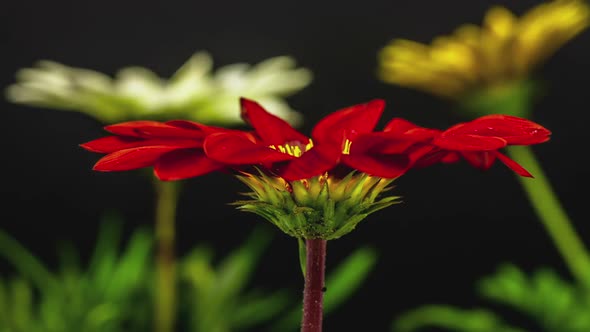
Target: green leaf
(509, 285)
(302, 254)
(555, 304)
(450, 318)
(104, 257)
(236, 269)
(22, 300)
(259, 308)
(25, 262)
(133, 265)
(101, 298)
(348, 277)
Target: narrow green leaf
(254, 310)
(348, 277)
(104, 257)
(302, 255)
(25, 262)
(450, 318)
(133, 264)
(236, 269)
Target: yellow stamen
(295, 149)
(346, 147)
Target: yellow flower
(505, 49)
(194, 92)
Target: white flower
(194, 92)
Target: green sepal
(321, 207)
(302, 254)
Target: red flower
(478, 141)
(344, 138)
(173, 148)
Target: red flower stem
(165, 300)
(313, 293)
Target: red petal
(514, 130)
(128, 159)
(432, 157)
(383, 165)
(191, 125)
(161, 130)
(272, 129)
(384, 154)
(314, 162)
(513, 165)
(114, 143)
(238, 150)
(129, 128)
(183, 164)
(451, 157)
(380, 143)
(482, 160)
(468, 142)
(399, 125)
(357, 119)
(419, 151)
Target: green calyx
(510, 98)
(321, 207)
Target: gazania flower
(503, 51)
(478, 141)
(173, 148)
(194, 92)
(319, 187)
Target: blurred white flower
(194, 92)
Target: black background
(456, 223)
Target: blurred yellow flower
(504, 49)
(194, 92)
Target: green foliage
(216, 298)
(105, 296)
(452, 319)
(113, 292)
(554, 304)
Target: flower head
(194, 92)
(505, 49)
(318, 187)
(173, 148)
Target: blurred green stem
(165, 299)
(517, 99)
(313, 293)
(550, 211)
